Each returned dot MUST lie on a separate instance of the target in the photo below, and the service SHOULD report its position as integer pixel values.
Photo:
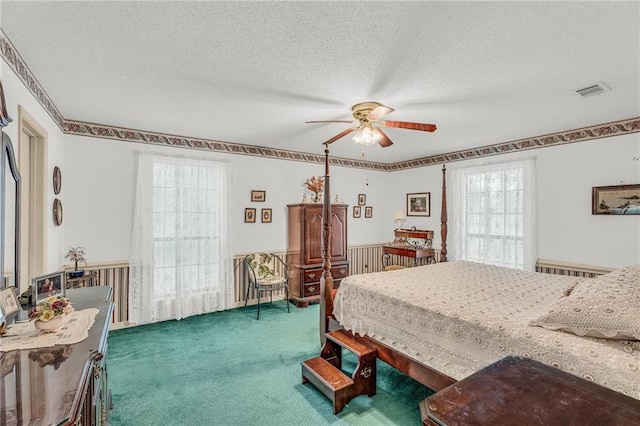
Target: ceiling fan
(368, 125)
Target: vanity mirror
(9, 205)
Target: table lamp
(399, 217)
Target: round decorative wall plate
(57, 180)
(57, 212)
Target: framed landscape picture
(616, 199)
(419, 204)
(258, 196)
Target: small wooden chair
(264, 275)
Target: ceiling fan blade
(385, 141)
(339, 135)
(330, 121)
(409, 125)
(378, 112)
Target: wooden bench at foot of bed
(518, 391)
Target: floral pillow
(607, 306)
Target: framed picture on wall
(419, 204)
(362, 199)
(266, 215)
(48, 285)
(617, 199)
(357, 212)
(368, 212)
(249, 215)
(259, 196)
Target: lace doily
(25, 336)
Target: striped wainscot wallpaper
(362, 258)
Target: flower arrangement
(314, 184)
(51, 307)
(76, 254)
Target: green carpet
(226, 368)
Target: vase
(316, 197)
(53, 325)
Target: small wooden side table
(415, 253)
(521, 391)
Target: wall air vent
(593, 89)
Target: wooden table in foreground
(521, 391)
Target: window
(494, 217)
(180, 263)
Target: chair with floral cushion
(267, 272)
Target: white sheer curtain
(494, 214)
(180, 261)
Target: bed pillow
(607, 306)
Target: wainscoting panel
(556, 267)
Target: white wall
(99, 186)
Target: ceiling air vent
(593, 89)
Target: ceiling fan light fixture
(366, 135)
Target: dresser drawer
(311, 289)
(314, 275)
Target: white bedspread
(458, 317)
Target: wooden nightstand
(521, 391)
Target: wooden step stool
(325, 371)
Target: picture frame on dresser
(9, 301)
(52, 284)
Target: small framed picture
(368, 212)
(249, 215)
(8, 301)
(362, 199)
(266, 215)
(48, 285)
(259, 196)
(419, 204)
(356, 211)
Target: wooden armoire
(304, 251)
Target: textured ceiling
(254, 72)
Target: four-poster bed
(441, 323)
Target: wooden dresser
(61, 385)
(304, 250)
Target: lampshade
(399, 214)
(367, 135)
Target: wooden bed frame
(428, 376)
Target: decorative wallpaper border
(72, 127)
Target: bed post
(443, 217)
(326, 281)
